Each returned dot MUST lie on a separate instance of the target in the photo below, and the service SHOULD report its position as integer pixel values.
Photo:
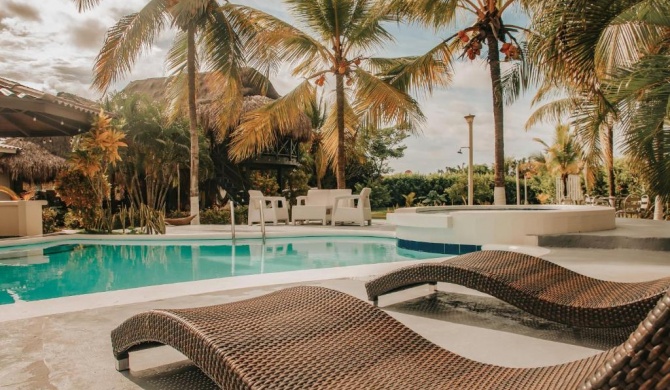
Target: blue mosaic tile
(469, 248)
(432, 247)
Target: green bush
(221, 216)
(380, 196)
(49, 217)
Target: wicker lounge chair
(312, 337)
(535, 285)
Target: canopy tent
(27, 112)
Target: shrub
(221, 216)
(380, 197)
(49, 218)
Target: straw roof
(32, 163)
(257, 91)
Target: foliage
(49, 220)
(409, 199)
(342, 36)
(157, 148)
(433, 198)
(379, 194)
(380, 145)
(564, 156)
(73, 220)
(264, 182)
(75, 190)
(297, 185)
(221, 215)
(486, 30)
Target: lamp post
(470, 118)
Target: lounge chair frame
(311, 337)
(535, 285)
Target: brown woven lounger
(535, 285)
(312, 337)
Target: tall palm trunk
(193, 128)
(609, 159)
(341, 161)
(494, 66)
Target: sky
(50, 46)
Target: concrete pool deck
(73, 350)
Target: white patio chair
(275, 208)
(353, 208)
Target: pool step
(604, 242)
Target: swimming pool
(38, 272)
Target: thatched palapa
(32, 163)
(257, 91)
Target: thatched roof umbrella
(32, 163)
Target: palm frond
(259, 128)
(417, 75)
(84, 5)
(554, 111)
(381, 103)
(126, 40)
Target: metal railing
(262, 215)
(232, 219)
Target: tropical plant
(157, 147)
(217, 37)
(612, 55)
(433, 198)
(409, 199)
(368, 91)
(564, 156)
(487, 30)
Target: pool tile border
(434, 247)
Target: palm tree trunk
(494, 66)
(609, 159)
(193, 128)
(341, 161)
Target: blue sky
(52, 47)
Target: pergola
(27, 112)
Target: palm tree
(488, 29)
(223, 35)
(367, 91)
(581, 44)
(564, 156)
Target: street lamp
(470, 118)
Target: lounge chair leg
(375, 302)
(123, 364)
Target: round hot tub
(464, 229)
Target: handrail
(232, 219)
(262, 214)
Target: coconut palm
(219, 38)
(564, 156)
(486, 30)
(367, 91)
(580, 44)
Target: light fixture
(34, 119)
(62, 123)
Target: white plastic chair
(353, 208)
(275, 208)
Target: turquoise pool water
(32, 273)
